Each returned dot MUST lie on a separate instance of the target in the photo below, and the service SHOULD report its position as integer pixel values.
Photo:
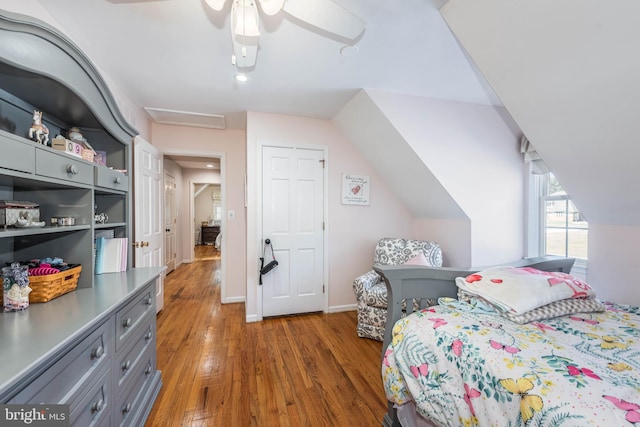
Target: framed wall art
(355, 189)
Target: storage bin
(46, 288)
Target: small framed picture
(355, 189)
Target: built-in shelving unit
(101, 337)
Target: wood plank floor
(218, 370)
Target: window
(217, 211)
(216, 214)
(561, 228)
(565, 230)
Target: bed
(459, 363)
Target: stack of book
(111, 255)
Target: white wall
(473, 151)
(614, 266)
(454, 163)
(353, 230)
(568, 74)
(453, 236)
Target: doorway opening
(200, 203)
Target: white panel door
(293, 219)
(148, 210)
(170, 221)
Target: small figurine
(38, 129)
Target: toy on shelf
(38, 129)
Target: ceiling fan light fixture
(244, 19)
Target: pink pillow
(419, 259)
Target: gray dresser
(94, 349)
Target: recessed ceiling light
(241, 77)
(209, 166)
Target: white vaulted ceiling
(176, 55)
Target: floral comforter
(468, 368)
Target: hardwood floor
(218, 370)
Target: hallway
(218, 370)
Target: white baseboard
(341, 308)
(233, 300)
(252, 318)
(333, 309)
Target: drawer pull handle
(148, 370)
(126, 408)
(97, 352)
(148, 301)
(148, 336)
(72, 169)
(97, 406)
(116, 180)
(126, 365)
(127, 322)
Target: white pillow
(522, 289)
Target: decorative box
(69, 147)
(88, 155)
(12, 210)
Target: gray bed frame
(429, 283)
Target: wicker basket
(46, 288)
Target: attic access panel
(186, 118)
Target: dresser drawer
(130, 401)
(112, 179)
(67, 379)
(131, 317)
(94, 407)
(16, 155)
(131, 357)
(64, 167)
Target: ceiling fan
(325, 15)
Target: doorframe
(325, 212)
(190, 213)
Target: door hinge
(323, 288)
(322, 161)
(322, 225)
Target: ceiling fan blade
(326, 15)
(271, 7)
(215, 4)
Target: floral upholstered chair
(370, 290)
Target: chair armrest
(365, 282)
